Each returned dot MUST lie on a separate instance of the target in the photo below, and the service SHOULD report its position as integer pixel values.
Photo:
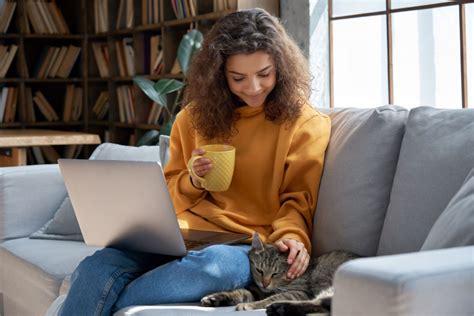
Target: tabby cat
(310, 293)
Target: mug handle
(191, 170)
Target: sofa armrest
(439, 282)
(29, 197)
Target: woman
(248, 86)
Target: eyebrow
(261, 70)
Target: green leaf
(147, 86)
(191, 42)
(165, 86)
(150, 138)
(166, 129)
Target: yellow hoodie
(276, 177)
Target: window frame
(388, 13)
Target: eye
(259, 271)
(237, 79)
(264, 75)
(274, 274)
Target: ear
(257, 243)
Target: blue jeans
(111, 279)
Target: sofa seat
(40, 267)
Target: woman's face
(251, 77)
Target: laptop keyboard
(190, 244)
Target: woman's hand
(298, 256)
(201, 167)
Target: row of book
(7, 8)
(152, 59)
(184, 8)
(45, 18)
(7, 53)
(48, 154)
(8, 104)
(72, 106)
(56, 61)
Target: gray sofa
(397, 188)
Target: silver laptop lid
(125, 204)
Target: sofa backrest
(357, 179)
(436, 155)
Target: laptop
(126, 204)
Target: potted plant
(158, 91)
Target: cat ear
(257, 243)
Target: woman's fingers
(298, 257)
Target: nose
(254, 86)
(266, 282)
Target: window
(411, 53)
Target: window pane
(470, 52)
(396, 4)
(349, 7)
(360, 62)
(426, 58)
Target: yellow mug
(223, 160)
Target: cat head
(268, 265)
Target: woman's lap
(112, 279)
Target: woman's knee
(224, 262)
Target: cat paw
(245, 307)
(216, 299)
(282, 309)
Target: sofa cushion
(64, 225)
(358, 173)
(37, 268)
(436, 155)
(455, 226)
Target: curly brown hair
(244, 32)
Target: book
(100, 59)
(57, 63)
(8, 59)
(58, 18)
(69, 60)
(3, 102)
(50, 154)
(7, 9)
(68, 103)
(45, 107)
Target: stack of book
(57, 61)
(45, 18)
(72, 108)
(151, 13)
(7, 53)
(8, 104)
(125, 57)
(6, 13)
(101, 16)
(126, 104)
(101, 106)
(101, 55)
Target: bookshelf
(74, 61)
